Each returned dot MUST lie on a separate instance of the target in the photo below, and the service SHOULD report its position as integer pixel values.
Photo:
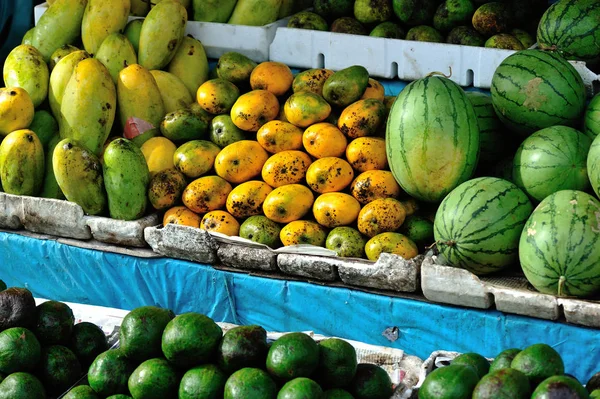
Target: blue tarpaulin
(66, 273)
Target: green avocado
(371, 382)
(475, 360)
(504, 359)
(81, 392)
(141, 332)
(154, 379)
(55, 323)
(205, 382)
(293, 355)
(503, 383)
(109, 372)
(300, 388)
(58, 369)
(87, 341)
(337, 363)
(22, 386)
(19, 350)
(455, 381)
(250, 383)
(242, 347)
(559, 386)
(538, 362)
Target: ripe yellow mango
(139, 96)
(190, 64)
(16, 110)
(60, 76)
(21, 163)
(25, 68)
(100, 19)
(116, 53)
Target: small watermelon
(560, 245)
(532, 90)
(593, 165)
(591, 122)
(432, 138)
(572, 27)
(478, 225)
(551, 160)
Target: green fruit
(236, 68)
(538, 362)
(195, 158)
(109, 372)
(21, 386)
(262, 230)
(337, 394)
(559, 386)
(504, 359)
(61, 74)
(492, 18)
(453, 13)
(224, 132)
(592, 118)
(348, 25)
(371, 382)
(19, 350)
(593, 165)
(250, 383)
(504, 41)
(415, 12)
(372, 11)
(465, 36)
(183, 125)
(44, 126)
(346, 86)
(141, 332)
(419, 230)
(524, 37)
(388, 30)
(25, 67)
(293, 355)
(87, 342)
(308, 20)
(133, 31)
(116, 53)
(213, 10)
(424, 33)
(58, 369)
(337, 363)
(81, 392)
(119, 396)
(332, 9)
(241, 347)
(347, 242)
(206, 382)
(17, 309)
(21, 163)
(55, 322)
(503, 383)
(300, 388)
(2, 285)
(60, 53)
(190, 339)
(140, 139)
(451, 382)
(28, 36)
(475, 360)
(190, 64)
(154, 379)
(595, 394)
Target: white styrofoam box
(217, 39)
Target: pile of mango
(509, 24)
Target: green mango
(372, 12)
(21, 163)
(89, 105)
(126, 178)
(28, 36)
(50, 187)
(333, 9)
(183, 125)
(133, 31)
(140, 8)
(147, 135)
(453, 13)
(59, 25)
(213, 10)
(224, 132)
(255, 12)
(78, 173)
(415, 12)
(346, 86)
(44, 126)
(61, 53)
(173, 92)
(60, 76)
(25, 68)
(102, 18)
(236, 68)
(161, 34)
(308, 20)
(190, 64)
(116, 53)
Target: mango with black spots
(165, 188)
(78, 173)
(367, 153)
(392, 243)
(303, 232)
(247, 199)
(308, 20)
(375, 184)
(335, 209)
(311, 80)
(254, 109)
(286, 167)
(240, 161)
(323, 140)
(26, 68)
(277, 136)
(375, 90)
(220, 222)
(22, 163)
(453, 13)
(196, 157)
(362, 118)
(236, 68)
(139, 96)
(373, 11)
(329, 174)
(116, 53)
(304, 108)
(181, 215)
(288, 203)
(207, 193)
(190, 64)
(380, 216)
(217, 96)
(346, 86)
(16, 110)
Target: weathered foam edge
(182, 242)
(55, 217)
(310, 266)
(390, 272)
(106, 247)
(581, 312)
(129, 233)
(12, 211)
(246, 257)
(534, 304)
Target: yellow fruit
(196, 157)
(311, 80)
(381, 216)
(329, 174)
(305, 108)
(208, 193)
(240, 161)
(286, 167)
(217, 96)
(16, 109)
(367, 153)
(220, 222)
(324, 140)
(302, 232)
(362, 118)
(335, 209)
(375, 184)
(274, 77)
(288, 203)
(374, 90)
(393, 243)
(254, 109)
(247, 199)
(277, 136)
(159, 152)
(181, 215)
(166, 188)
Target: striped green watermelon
(591, 122)
(532, 90)
(478, 225)
(551, 160)
(572, 27)
(593, 165)
(560, 245)
(432, 138)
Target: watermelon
(432, 138)
(591, 122)
(551, 160)
(572, 27)
(593, 165)
(560, 245)
(478, 225)
(532, 90)
(495, 141)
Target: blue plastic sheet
(66, 273)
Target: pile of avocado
(188, 357)
(505, 24)
(42, 351)
(536, 372)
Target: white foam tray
(217, 39)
